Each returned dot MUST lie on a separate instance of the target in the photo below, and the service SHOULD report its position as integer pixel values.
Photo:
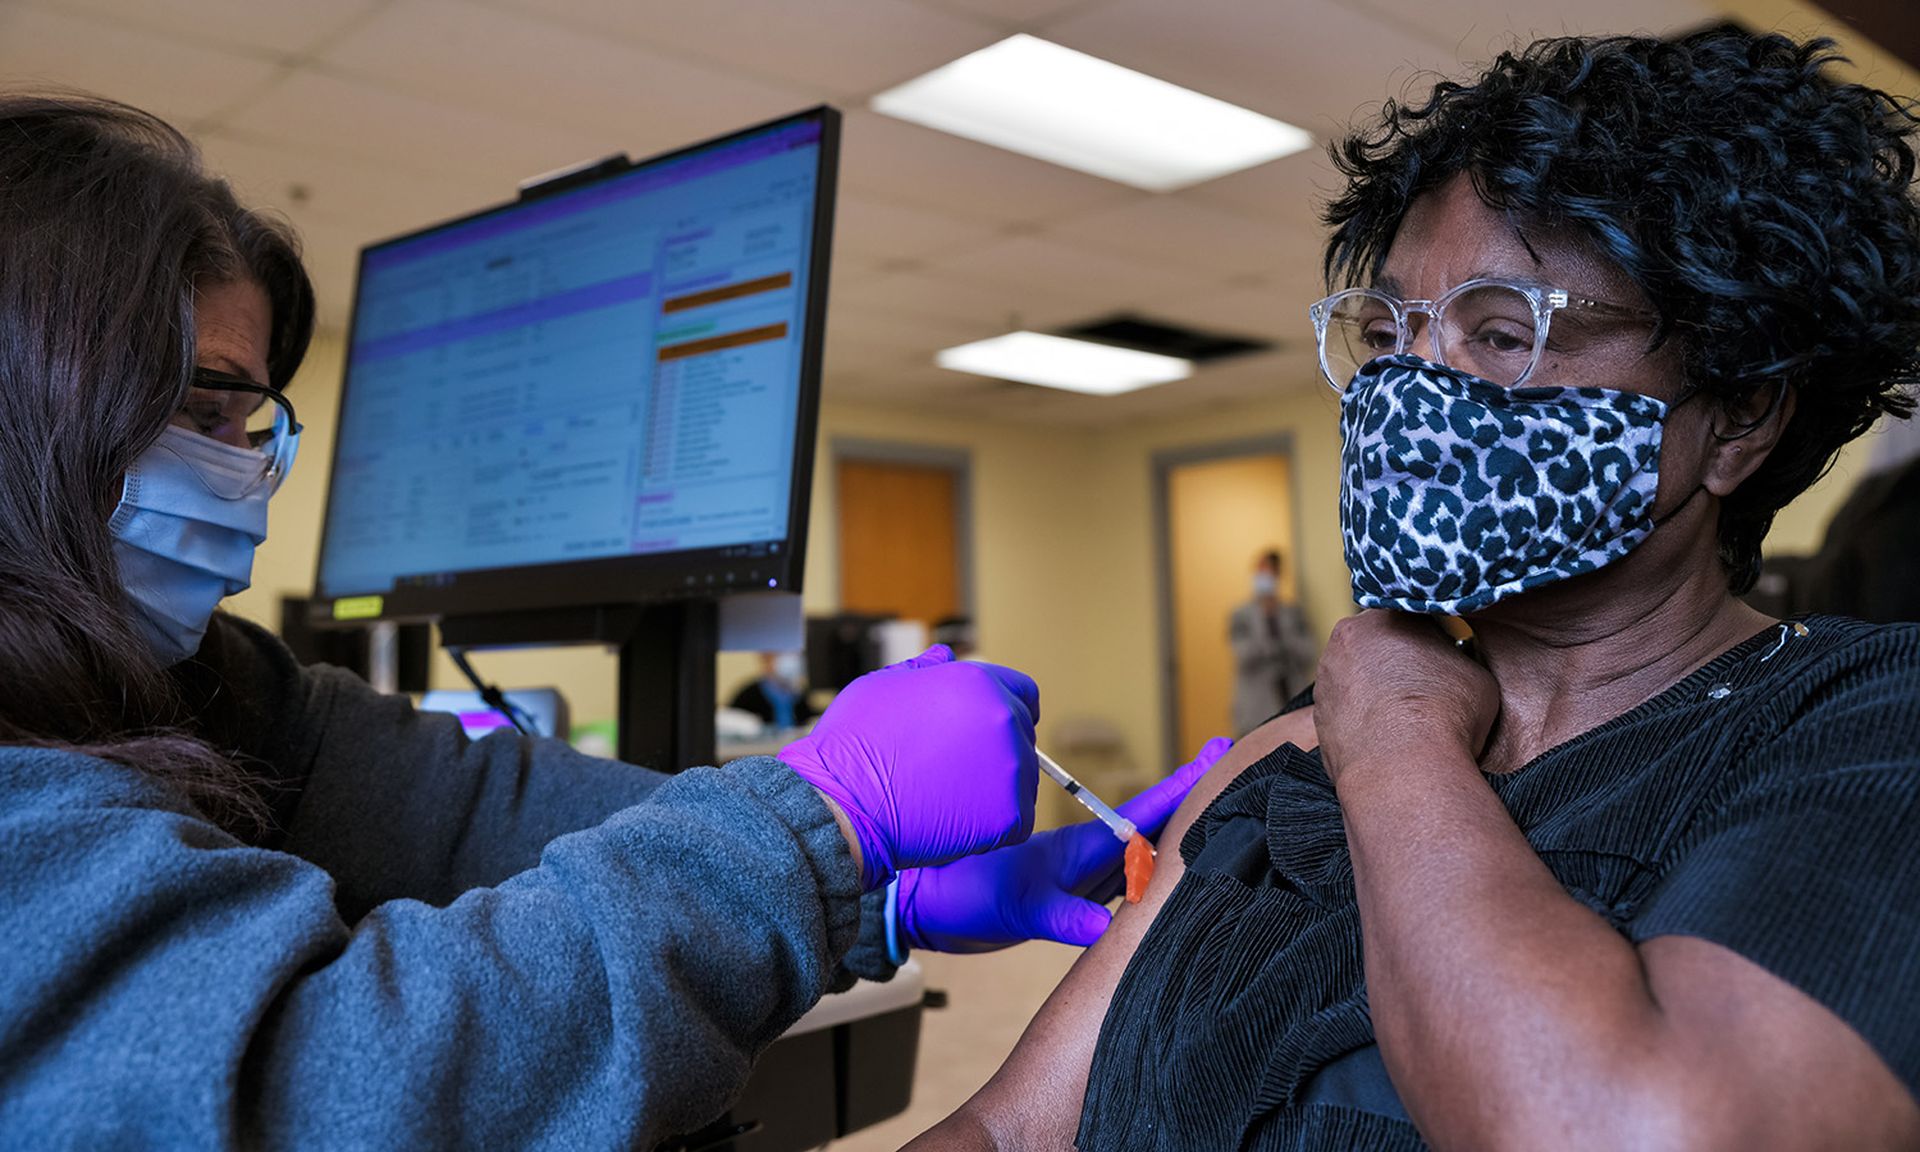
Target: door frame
(958, 461)
(1164, 462)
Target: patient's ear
(1745, 432)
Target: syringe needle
(1120, 825)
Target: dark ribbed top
(1767, 803)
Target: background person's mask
(1456, 493)
(790, 668)
(191, 513)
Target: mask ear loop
(1745, 430)
(1750, 427)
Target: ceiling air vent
(1129, 330)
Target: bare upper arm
(1033, 1102)
(1766, 1065)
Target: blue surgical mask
(190, 515)
(1456, 493)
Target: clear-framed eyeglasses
(1495, 329)
(233, 409)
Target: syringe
(1138, 861)
(1120, 825)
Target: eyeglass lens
(1488, 330)
(229, 415)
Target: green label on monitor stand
(356, 608)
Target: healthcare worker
(250, 904)
(1273, 650)
(779, 696)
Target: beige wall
(1064, 584)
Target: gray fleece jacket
(440, 943)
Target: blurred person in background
(1273, 650)
(779, 696)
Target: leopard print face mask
(1456, 493)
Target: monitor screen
(604, 394)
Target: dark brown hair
(107, 223)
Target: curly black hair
(1766, 210)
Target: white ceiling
(360, 119)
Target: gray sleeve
(209, 994)
(392, 802)
(398, 804)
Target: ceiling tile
(927, 388)
(892, 160)
(1274, 311)
(843, 357)
(174, 79)
(1288, 194)
(903, 335)
(973, 311)
(1026, 265)
(483, 58)
(1020, 15)
(278, 27)
(891, 232)
(844, 48)
(1182, 233)
(372, 202)
(1478, 30)
(432, 138)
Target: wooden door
(1221, 514)
(899, 550)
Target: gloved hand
(930, 759)
(1053, 887)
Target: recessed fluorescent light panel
(1057, 362)
(1037, 98)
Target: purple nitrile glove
(1053, 887)
(930, 759)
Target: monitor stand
(667, 666)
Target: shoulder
(242, 678)
(78, 831)
(36, 783)
(1295, 727)
(1828, 734)
(1858, 682)
(236, 647)
(1884, 651)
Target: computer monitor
(841, 649)
(597, 395)
(352, 648)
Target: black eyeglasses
(271, 429)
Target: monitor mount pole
(668, 656)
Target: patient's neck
(1572, 656)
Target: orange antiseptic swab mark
(1139, 867)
